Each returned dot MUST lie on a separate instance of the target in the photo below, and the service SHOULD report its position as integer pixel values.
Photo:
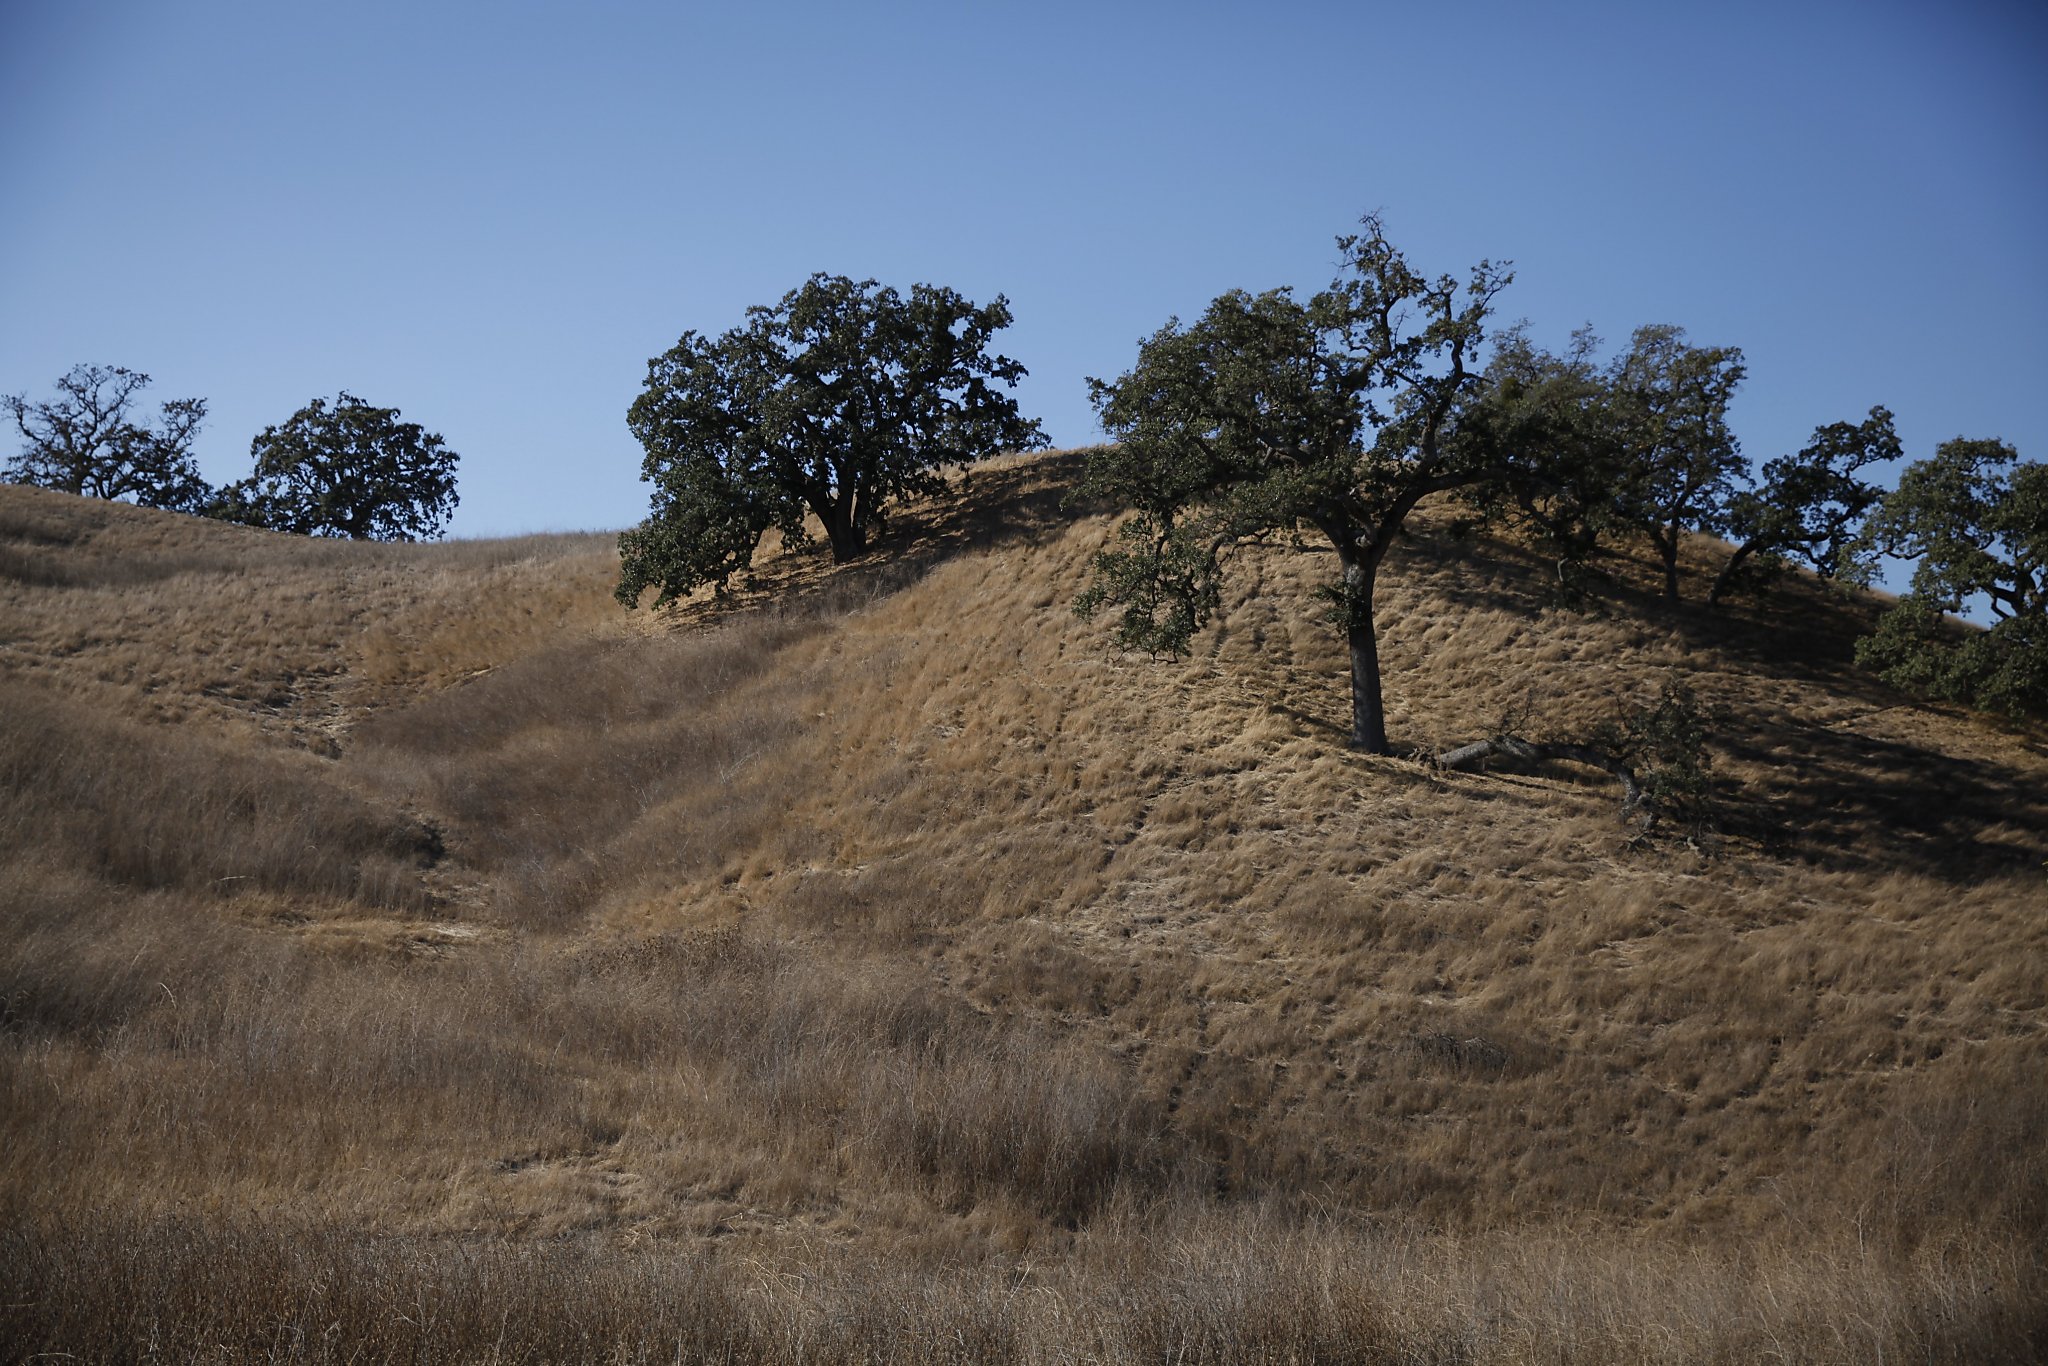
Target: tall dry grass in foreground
(426, 961)
(1224, 1288)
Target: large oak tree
(347, 469)
(839, 400)
(1336, 416)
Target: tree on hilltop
(349, 469)
(1558, 412)
(85, 442)
(1642, 444)
(1810, 507)
(1671, 399)
(1337, 416)
(836, 402)
(1975, 517)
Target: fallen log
(1466, 758)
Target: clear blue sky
(490, 216)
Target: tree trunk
(1368, 710)
(1727, 574)
(1669, 550)
(848, 537)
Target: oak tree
(1670, 399)
(1268, 414)
(1810, 507)
(1975, 517)
(1559, 412)
(85, 441)
(836, 402)
(347, 469)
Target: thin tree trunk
(1727, 574)
(1669, 549)
(1368, 710)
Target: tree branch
(1470, 757)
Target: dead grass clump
(331, 1084)
(79, 962)
(860, 1067)
(472, 606)
(166, 618)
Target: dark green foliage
(1225, 430)
(1642, 445)
(1269, 415)
(1810, 507)
(1639, 445)
(351, 470)
(839, 400)
(1665, 743)
(1670, 401)
(1975, 517)
(1561, 412)
(83, 442)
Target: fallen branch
(1634, 801)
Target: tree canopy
(348, 469)
(1641, 445)
(85, 442)
(841, 399)
(1337, 415)
(1975, 518)
(1558, 412)
(1682, 462)
(1809, 507)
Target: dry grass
(181, 620)
(407, 955)
(1241, 1287)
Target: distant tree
(84, 442)
(839, 400)
(1642, 443)
(1809, 507)
(1271, 415)
(1975, 517)
(1560, 411)
(1671, 401)
(350, 469)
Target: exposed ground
(404, 952)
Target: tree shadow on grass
(1802, 627)
(1856, 789)
(1011, 500)
(1839, 797)
(1008, 501)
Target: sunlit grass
(406, 953)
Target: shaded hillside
(886, 926)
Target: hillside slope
(890, 919)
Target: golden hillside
(408, 953)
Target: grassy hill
(406, 953)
